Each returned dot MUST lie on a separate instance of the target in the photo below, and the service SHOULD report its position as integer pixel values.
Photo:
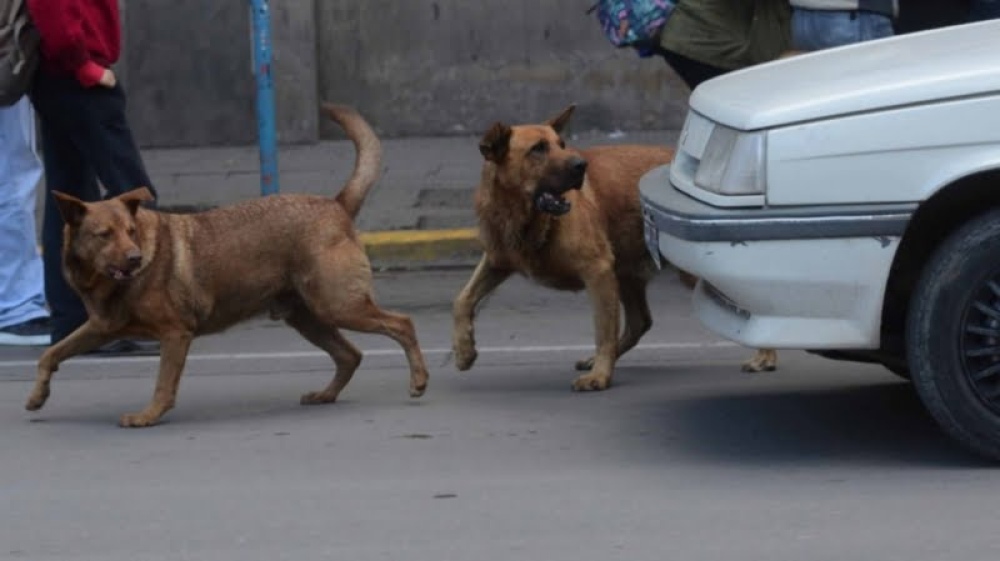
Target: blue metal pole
(267, 135)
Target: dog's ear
(135, 197)
(71, 208)
(495, 143)
(559, 122)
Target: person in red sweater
(85, 135)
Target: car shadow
(872, 423)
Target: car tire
(901, 371)
(953, 335)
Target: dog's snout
(133, 256)
(578, 165)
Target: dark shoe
(32, 333)
(126, 347)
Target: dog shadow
(249, 409)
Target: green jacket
(729, 34)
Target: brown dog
(174, 277)
(569, 220)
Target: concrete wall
(413, 67)
(188, 71)
(447, 66)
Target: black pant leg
(67, 172)
(691, 71)
(105, 140)
(85, 136)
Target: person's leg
(691, 71)
(85, 137)
(102, 135)
(23, 315)
(814, 30)
(65, 171)
(874, 26)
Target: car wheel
(953, 335)
(901, 371)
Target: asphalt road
(685, 458)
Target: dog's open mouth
(120, 274)
(550, 192)
(551, 203)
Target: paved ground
(685, 458)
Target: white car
(847, 202)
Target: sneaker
(32, 333)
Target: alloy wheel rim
(980, 343)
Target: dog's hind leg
(485, 279)
(88, 336)
(638, 318)
(369, 318)
(345, 356)
(337, 291)
(173, 354)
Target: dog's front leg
(173, 354)
(86, 337)
(602, 287)
(485, 279)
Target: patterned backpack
(633, 23)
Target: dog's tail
(367, 162)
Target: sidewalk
(418, 214)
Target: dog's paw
(592, 382)
(316, 398)
(762, 361)
(465, 357)
(137, 420)
(418, 390)
(37, 399)
(585, 365)
(418, 385)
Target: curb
(422, 249)
(404, 250)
